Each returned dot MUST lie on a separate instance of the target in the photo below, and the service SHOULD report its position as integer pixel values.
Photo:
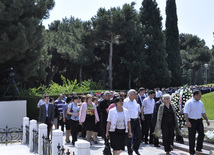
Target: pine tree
(21, 35)
(157, 74)
(172, 43)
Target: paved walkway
(14, 149)
(97, 149)
(18, 149)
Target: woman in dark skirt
(88, 116)
(118, 126)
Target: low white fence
(45, 146)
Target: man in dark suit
(141, 96)
(46, 114)
(102, 108)
(154, 120)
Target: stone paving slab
(97, 149)
(14, 149)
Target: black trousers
(135, 128)
(104, 124)
(148, 127)
(47, 122)
(142, 128)
(196, 125)
(168, 135)
(74, 129)
(154, 139)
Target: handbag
(179, 139)
(68, 117)
(107, 149)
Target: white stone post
(42, 131)
(33, 126)
(25, 123)
(82, 147)
(57, 139)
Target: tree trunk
(110, 62)
(130, 79)
(104, 76)
(80, 75)
(51, 75)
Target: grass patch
(208, 100)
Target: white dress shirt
(148, 105)
(133, 108)
(158, 94)
(41, 102)
(194, 108)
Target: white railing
(81, 146)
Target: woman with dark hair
(97, 126)
(118, 126)
(73, 110)
(88, 116)
(167, 123)
(65, 119)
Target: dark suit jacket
(155, 112)
(42, 113)
(102, 109)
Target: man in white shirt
(147, 111)
(41, 101)
(193, 110)
(134, 110)
(158, 94)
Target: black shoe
(151, 143)
(145, 142)
(171, 147)
(156, 145)
(198, 150)
(137, 152)
(130, 153)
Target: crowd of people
(126, 119)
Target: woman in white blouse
(118, 126)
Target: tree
(194, 54)
(157, 74)
(132, 48)
(172, 43)
(107, 25)
(21, 35)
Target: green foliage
(172, 43)
(194, 54)
(208, 99)
(157, 74)
(21, 38)
(67, 86)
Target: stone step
(185, 147)
(206, 146)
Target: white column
(82, 147)
(33, 125)
(57, 138)
(42, 131)
(25, 122)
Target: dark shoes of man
(137, 152)
(198, 150)
(156, 145)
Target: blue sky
(194, 16)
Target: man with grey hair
(102, 108)
(134, 110)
